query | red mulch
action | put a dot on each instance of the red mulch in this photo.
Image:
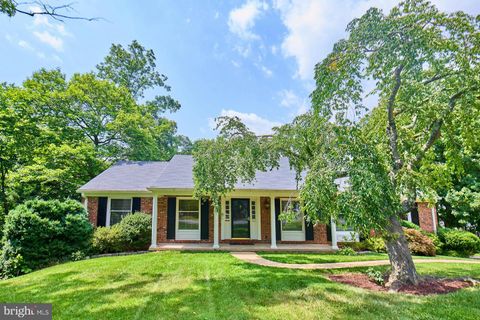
(426, 286)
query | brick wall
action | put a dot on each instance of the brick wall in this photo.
(427, 222)
(265, 218)
(92, 209)
(320, 233)
(146, 204)
(162, 219)
(210, 224)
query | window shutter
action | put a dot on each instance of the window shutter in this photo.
(414, 215)
(136, 205)
(329, 232)
(308, 230)
(171, 216)
(278, 227)
(204, 216)
(102, 212)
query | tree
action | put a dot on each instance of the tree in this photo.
(12, 7)
(233, 156)
(424, 64)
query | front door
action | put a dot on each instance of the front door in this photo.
(240, 218)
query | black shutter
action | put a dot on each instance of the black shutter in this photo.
(171, 215)
(136, 204)
(414, 215)
(308, 230)
(329, 232)
(102, 212)
(204, 215)
(278, 227)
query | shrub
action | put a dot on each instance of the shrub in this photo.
(39, 233)
(131, 234)
(462, 243)
(357, 246)
(376, 244)
(376, 276)
(436, 241)
(419, 243)
(346, 251)
(409, 225)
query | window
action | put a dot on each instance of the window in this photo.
(342, 226)
(297, 223)
(227, 210)
(119, 208)
(254, 210)
(188, 214)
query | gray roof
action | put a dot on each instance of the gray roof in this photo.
(126, 176)
(178, 174)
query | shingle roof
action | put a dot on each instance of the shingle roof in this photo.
(126, 176)
(179, 175)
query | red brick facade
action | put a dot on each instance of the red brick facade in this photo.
(265, 229)
(146, 205)
(427, 219)
(162, 219)
(92, 209)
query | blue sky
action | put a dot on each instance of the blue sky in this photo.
(249, 58)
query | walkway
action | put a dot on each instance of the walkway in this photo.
(252, 257)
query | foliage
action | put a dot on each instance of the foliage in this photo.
(346, 251)
(132, 233)
(410, 225)
(39, 233)
(234, 156)
(376, 276)
(375, 244)
(463, 243)
(419, 243)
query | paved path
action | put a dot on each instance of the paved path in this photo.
(252, 257)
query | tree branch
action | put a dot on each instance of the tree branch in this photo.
(52, 11)
(436, 127)
(392, 126)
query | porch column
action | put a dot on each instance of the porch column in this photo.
(215, 227)
(333, 227)
(273, 233)
(153, 245)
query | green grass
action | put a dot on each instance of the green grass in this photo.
(174, 285)
(331, 258)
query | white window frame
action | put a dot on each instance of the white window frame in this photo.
(187, 234)
(109, 207)
(290, 235)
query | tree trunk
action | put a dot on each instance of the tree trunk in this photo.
(403, 269)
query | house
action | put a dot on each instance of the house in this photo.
(249, 213)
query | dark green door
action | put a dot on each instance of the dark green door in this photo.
(240, 218)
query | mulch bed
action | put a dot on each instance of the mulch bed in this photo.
(426, 286)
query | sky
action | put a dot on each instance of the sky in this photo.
(251, 58)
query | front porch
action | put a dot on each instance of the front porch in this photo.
(297, 247)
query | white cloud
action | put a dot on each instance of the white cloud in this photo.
(24, 44)
(254, 122)
(53, 41)
(290, 100)
(241, 20)
(267, 72)
(236, 64)
(274, 49)
(314, 26)
(216, 15)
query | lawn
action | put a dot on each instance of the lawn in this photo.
(174, 285)
(331, 258)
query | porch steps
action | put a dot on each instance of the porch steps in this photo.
(241, 241)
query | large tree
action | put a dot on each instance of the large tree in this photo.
(424, 67)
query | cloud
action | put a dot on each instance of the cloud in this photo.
(254, 122)
(53, 41)
(290, 100)
(24, 44)
(314, 26)
(241, 20)
(266, 71)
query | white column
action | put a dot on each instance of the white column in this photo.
(273, 233)
(154, 221)
(334, 234)
(434, 221)
(215, 227)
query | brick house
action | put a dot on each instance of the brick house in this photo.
(249, 213)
